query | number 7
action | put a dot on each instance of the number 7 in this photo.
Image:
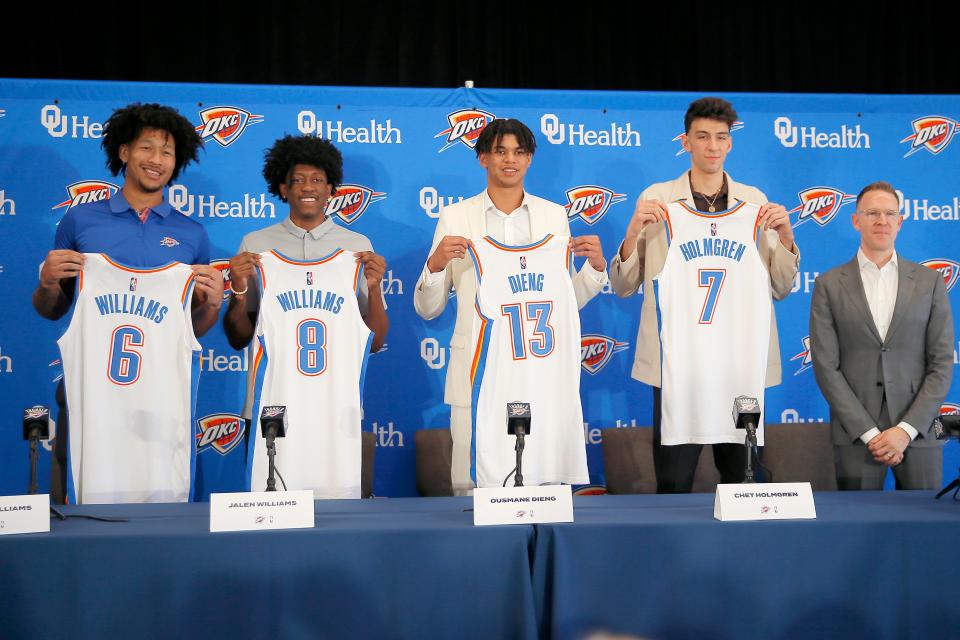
(712, 280)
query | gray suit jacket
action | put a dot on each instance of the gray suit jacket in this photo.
(855, 369)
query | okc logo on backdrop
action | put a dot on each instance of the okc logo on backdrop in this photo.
(949, 409)
(465, 127)
(596, 351)
(351, 200)
(590, 202)
(736, 126)
(932, 133)
(223, 266)
(949, 269)
(805, 357)
(225, 124)
(87, 191)
(219, 431)
(820, 204)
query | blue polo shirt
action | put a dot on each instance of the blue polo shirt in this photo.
(113, 227)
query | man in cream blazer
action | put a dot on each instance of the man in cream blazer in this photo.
(510, 215)
(707, 187)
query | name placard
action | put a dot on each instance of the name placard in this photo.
(772, 501)
(25, 514)
(261, 510)
(522, 505)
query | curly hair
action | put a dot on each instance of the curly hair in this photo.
(494, 132)
(712, 109)
(289, 151)
(126, 124)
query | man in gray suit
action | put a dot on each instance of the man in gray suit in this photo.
(881, 335)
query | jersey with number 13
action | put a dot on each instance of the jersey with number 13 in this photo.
(130, 365)
(713, 296)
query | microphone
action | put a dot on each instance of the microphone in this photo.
(746, 415)
(36, 427)
(273, 425)
(518, 424)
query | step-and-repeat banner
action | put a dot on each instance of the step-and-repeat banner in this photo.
(409, 152)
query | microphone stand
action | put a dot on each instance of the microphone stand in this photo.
(518, 478)
(271, 453)
(750, 444)
(34, 458)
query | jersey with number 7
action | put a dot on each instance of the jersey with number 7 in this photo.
(713, 298)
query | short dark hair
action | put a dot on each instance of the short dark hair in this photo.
(879, 185)
(127, 123)
(289, 151)
(496, 129)
(710, 108)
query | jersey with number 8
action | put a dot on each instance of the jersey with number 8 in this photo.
(529, 351)
(130, 364)
(313, 350)
(713, 296)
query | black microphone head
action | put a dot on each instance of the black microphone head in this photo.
(36, 422)
(518, 417)
(273, 421)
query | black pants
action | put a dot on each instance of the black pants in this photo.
(675, 465)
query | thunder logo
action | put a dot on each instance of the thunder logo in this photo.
(820, 204)
(351, 200)
(590, 202)
(949, 269)
(932, 133)
(86, 191)
(225, 124)
(805, 357)
(596, 351)
(465, 126)
(223, 266)
(219, 431)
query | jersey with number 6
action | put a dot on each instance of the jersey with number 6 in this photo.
(528, 351)
(130, 365)
(313, 352)
(713, 297)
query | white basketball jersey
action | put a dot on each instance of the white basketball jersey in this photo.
(130, 365)
(528, 351)
(713, 296)
(312, 355)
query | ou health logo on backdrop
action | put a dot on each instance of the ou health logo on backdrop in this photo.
(590, 202)
(932, 133)
(465, 127)
(225, 125)
(86, 191)
(820, 204)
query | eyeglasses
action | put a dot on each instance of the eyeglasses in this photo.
(876, 214)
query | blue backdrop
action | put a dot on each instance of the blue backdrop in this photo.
(407, 152)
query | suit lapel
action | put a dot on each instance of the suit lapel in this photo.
(478, 217)
(853, 284)
(906, 285)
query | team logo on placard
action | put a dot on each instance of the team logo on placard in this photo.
(820, 204)
(351, 200)
(465, 127)
(932, 133)
(736, 126)
(590, 202)
(225, 124)
(86, 191)
(949, 269)
(223, 266)
(596, 351)
(219, 431)
(805, 357)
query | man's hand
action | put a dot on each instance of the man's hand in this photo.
(243, 266)
(775, 216)
(449, 248)
(208, 285)
(60, 264)
(590, 248)
(645, 213)
(888, 447)
(374, 266)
